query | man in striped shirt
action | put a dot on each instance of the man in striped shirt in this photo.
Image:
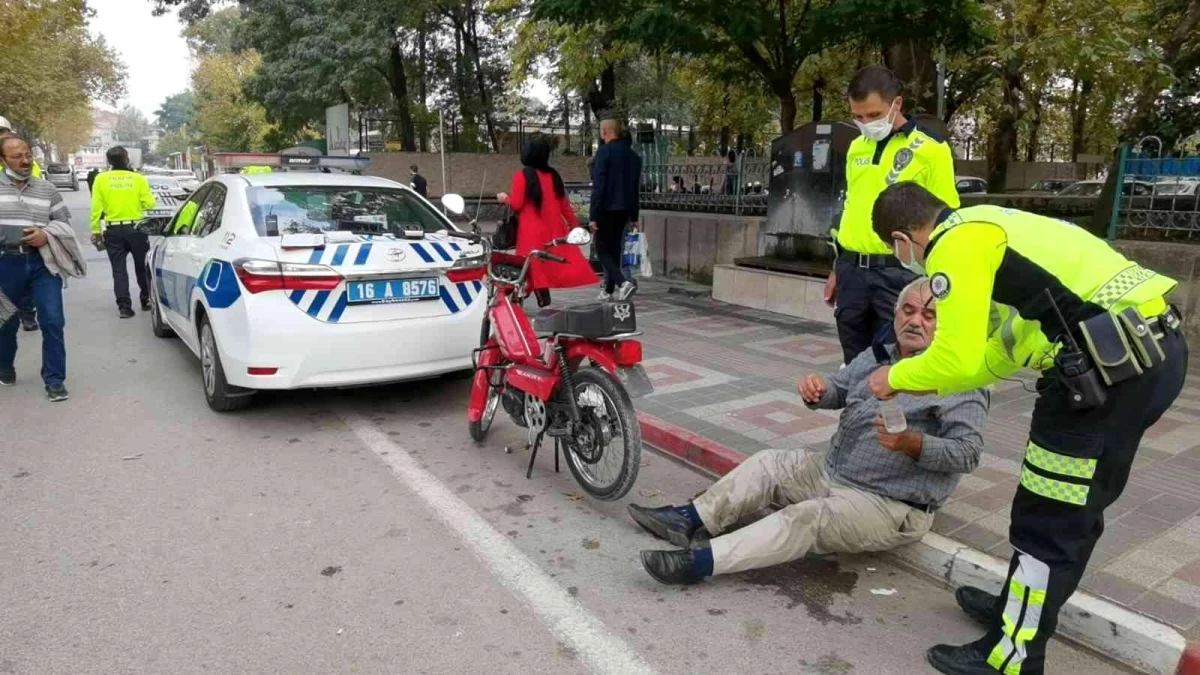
(27, 205)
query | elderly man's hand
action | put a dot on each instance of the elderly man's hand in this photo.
(878, 385)
(812, 388)
(35, 237)
(908, 442)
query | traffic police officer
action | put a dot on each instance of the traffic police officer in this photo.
(121, 196)
(1112, 360)
(866, 277)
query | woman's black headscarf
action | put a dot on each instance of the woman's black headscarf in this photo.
(535, 156)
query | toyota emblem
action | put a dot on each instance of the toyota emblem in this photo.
(395, 254)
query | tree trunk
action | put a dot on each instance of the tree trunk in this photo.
(1080, 98)
(818, 98)
(423, 83)
(566, 104)
(1002, 145)
(471, 42)
(691, 146)
(587, 128)
(602, 95)
(914, 63)
(398, 83)
(787, 108)
(1035, 126)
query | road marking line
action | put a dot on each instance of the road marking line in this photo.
(566, 618)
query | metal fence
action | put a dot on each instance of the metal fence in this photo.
(1159, 197)
(711, 187)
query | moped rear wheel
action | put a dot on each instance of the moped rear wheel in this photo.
(605, 452)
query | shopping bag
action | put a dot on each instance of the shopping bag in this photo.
(645, 268)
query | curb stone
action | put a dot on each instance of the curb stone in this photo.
(1125, 636)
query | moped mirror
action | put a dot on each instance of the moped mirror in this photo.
(454, 203)
(579, 236)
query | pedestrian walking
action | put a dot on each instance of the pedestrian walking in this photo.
(418, 182)
(6, 130)
(91, 177)
(544, 213)
(37, 251)
(120, 196)
(615, 175)
(1112, 359)
(866, 276)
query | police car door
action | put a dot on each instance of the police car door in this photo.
(166, 263)
(186, 259)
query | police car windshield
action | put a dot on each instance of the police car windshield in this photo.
(287, 209)
(163, 183)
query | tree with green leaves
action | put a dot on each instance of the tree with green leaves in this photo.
(55, 67)
(176, 111)
(132, 125)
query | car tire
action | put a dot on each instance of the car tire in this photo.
(157, 325)
(220, 395)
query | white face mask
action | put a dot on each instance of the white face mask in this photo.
(917, 268)
(880, 128)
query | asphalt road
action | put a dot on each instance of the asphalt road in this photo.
(362, 531)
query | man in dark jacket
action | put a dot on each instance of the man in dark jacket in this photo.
(418, 181)
(91, 177)
(615, 174)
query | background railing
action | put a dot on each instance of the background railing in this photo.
(1159, 199)
(709, 186)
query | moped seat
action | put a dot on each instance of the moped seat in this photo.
(591, 320)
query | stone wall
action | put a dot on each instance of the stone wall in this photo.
(466, 172)
(689, 245)
(1181, 262)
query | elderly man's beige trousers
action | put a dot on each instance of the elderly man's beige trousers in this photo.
(820, 515)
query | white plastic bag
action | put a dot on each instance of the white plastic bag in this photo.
(647, 270)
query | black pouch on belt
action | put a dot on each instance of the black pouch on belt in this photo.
(1145, 347)
(1108, 345)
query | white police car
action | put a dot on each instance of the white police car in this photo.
(297, 280)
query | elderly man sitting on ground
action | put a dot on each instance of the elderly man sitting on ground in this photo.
(870, 491)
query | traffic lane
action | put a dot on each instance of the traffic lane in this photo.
(816, 615)
(268, 541)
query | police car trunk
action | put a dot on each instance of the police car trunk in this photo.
(359, 253)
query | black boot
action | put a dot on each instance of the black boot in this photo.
(666, 523)
(977, 603)
(125, 312)
(965, 660)
(671, 567)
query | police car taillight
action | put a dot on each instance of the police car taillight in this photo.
(267, 275)
(467, 268)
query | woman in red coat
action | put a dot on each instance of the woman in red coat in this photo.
(543, 214)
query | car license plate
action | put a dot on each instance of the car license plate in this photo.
(392, 290)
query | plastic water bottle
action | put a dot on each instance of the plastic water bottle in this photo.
(893, 417)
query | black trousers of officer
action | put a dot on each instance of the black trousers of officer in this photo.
(1058, 511)
(610, 246)
(866, 300)
(119, 242)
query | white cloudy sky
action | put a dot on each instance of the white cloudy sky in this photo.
(155, 55)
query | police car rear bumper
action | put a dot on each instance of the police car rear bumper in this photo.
(349, 354)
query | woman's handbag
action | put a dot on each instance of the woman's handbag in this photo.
(505, 236)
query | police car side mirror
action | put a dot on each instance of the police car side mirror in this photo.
(454, 203)
(579, 236)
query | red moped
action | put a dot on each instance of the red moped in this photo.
(568, 374)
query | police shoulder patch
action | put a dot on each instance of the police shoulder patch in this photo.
(939, 285)
(903, 158)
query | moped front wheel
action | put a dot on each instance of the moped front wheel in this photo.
(491, 379)
(605, 452)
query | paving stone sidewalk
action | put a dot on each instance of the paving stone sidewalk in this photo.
(729, 374)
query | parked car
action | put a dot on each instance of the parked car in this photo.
(186, 179)
(1177, 186)
(305, 280)
(970, 185)
(62, 176)
(1092, 188)
(81, 173)
(1052, 185)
